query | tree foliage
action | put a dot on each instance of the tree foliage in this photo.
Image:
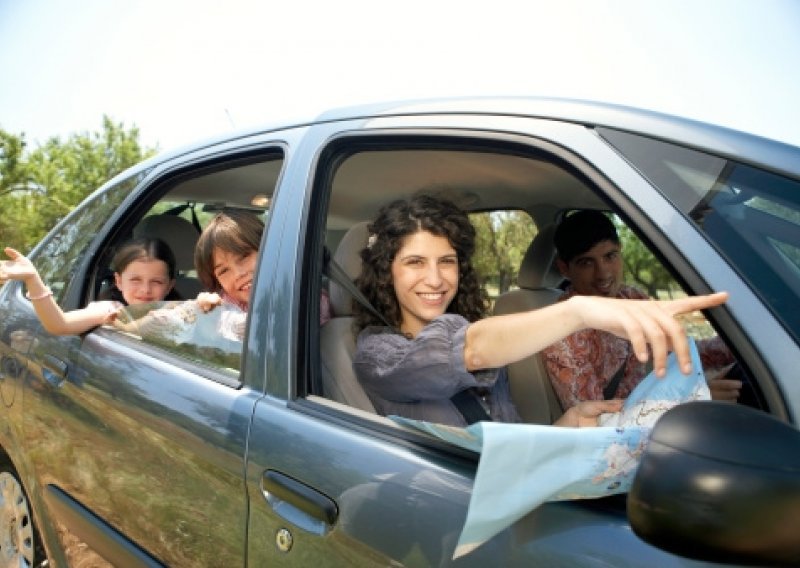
(39, 187)
(502, 238)
(642, 268)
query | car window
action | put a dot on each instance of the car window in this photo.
(644, 271)
(183, 206)
(751, 215)
(60, 254)
(211, 338)
(495, 185)
(495, 179)
(502, 238)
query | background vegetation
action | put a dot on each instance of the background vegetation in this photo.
(503, 238)
(39, 186)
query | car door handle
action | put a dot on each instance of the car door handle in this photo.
(299, 495)
(54, 370)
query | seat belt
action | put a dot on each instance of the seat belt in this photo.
(611, 388)
(466, 402)
(195, 220)
(336, 273)
(177, 210)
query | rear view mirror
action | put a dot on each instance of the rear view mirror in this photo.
(720, 482)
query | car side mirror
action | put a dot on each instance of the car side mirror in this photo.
(720, 482)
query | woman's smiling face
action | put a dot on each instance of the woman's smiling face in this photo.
(425, 277)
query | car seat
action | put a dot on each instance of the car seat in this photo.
(538, 279)
(181, 236)
(338, 337)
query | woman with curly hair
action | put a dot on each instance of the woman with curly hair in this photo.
(435, 357)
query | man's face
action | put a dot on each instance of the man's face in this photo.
(596, 272)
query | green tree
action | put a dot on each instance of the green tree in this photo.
(642, 268)
(502, 237)
(13, 170)
(39, 187)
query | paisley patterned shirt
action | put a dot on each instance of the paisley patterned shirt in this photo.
(582, 364)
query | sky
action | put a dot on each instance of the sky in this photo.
(182, 70)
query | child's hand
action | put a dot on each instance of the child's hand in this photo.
(112, 316)
(207, 301)
(18, 268)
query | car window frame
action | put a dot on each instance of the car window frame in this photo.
(651, 157)
(153, 189)
(577, 162)
(328, 157)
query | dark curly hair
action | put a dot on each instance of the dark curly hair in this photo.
(395, 222)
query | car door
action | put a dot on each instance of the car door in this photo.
(323, 489)
(39, 362)
(335, 485)
(139, 445)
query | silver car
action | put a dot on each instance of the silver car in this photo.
(179, 447)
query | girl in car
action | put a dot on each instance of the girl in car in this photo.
(225, 259)
(439, 359)
(144, 271)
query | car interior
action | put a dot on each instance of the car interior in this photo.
(479, 181)
(352, 184)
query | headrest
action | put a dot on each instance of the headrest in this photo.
(177, 232)
(538, 268)
(348, 257)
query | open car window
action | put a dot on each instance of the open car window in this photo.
(175, 210)
(211, 338)
(502, 238)
(515, 198)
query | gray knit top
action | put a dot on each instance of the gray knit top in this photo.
(415, 378)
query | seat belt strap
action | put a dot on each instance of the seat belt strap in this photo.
(611, 388)
(466, 402)
(338, 275)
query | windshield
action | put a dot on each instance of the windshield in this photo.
(751, 215)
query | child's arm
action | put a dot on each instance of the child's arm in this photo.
(53, 319)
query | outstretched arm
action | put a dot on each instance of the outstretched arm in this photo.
(53, 319)
(500, 340)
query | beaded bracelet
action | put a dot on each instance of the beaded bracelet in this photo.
(46, 294)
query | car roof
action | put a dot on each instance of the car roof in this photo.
(723, 141)
(553, 186)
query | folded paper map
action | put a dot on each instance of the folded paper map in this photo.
(524, 465)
